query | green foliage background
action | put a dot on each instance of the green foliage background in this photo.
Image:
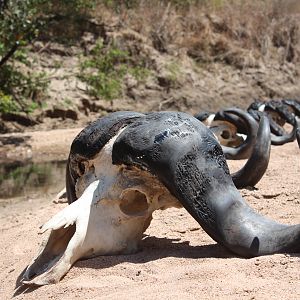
(21, 22)
(22, 89)
(19, 25)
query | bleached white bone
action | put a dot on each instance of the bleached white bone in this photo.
(114, 208)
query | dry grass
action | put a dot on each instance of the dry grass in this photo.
(240, 33)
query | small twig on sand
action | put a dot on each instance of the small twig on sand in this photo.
(169, 100)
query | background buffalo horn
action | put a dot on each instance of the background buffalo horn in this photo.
(257, 164)
(245, 149)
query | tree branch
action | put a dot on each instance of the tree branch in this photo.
(9, 54)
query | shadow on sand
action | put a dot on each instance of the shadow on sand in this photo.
(153, 248)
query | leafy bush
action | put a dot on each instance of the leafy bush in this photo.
(20, 25)
(68, 7)
(104, 70)
(7, 104)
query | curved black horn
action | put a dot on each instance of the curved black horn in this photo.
(275, 128)
(286, 138)
(298, 136)
(203, 115)
(256, 105)
(257, 164)
(254, 114)
(245, 149)
(90, 141)
(188, 160)
(294, 104)
(237, 121)
(278, 134)
(282, 109)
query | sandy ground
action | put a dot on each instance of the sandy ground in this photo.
(178, 260)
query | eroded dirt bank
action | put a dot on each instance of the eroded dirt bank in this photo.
(189, 61)
(178, 261)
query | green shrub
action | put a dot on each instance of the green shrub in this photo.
(104, 70)
(19, 90)
(19, 87)
(21, 21)
(7, 104)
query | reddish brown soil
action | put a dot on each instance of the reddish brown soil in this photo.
(178, 261)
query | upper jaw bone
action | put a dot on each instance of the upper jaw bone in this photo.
(104, 220)
(62, 247)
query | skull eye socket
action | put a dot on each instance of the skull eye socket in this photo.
(225, 134)
(134, 203)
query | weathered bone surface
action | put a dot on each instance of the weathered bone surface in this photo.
(245, 149)
(109, 217)
(153, 162)
(227, 126)
(225, 132)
